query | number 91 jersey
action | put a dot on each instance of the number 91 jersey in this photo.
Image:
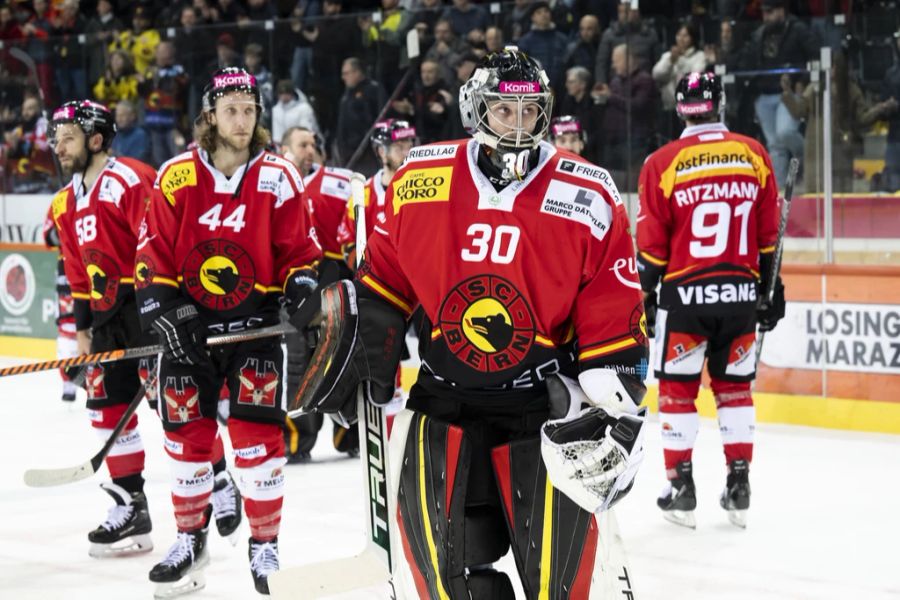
(708, 210)
(515, 284)
(227, 244)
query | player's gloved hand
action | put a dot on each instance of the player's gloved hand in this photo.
(593, 457)
(651, 304)
(182, 335)
(76, 374)
(299, 286)
(769, 313)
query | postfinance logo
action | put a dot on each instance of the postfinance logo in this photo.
(422, 185)
(176, 177)
(706, 161)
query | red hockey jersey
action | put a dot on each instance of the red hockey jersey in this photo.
(98, 231)
(227, 244)
(374, 202)
(708, 208)
(512, 282)
(328, 190)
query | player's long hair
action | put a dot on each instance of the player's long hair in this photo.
(208, 137)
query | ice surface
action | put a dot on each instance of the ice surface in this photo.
(824, 520)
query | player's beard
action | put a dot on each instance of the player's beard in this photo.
(78, 165)
(235, 144)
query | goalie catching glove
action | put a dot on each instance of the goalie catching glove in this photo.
(593, 454)
(360, 343)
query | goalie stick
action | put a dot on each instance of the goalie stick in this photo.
(62, 476)
(374, 565)
(128, 353)
(769, 293)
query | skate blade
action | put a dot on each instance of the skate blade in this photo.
(193, 580)
(136, 544)
(685, 518)
(738, 518)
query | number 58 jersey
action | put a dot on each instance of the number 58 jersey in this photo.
(227, 244)
(515, 284)
(708, 210)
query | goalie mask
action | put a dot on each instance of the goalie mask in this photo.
(506, 104)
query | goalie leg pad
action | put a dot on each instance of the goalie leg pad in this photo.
(554, 540)
(360, 342)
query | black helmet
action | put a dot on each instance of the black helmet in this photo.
(90, 116)
(566, 124)
(389, 131)
(509, 75)
(228, 80)
(699, 95)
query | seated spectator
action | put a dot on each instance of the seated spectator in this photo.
(131, 139)
(493, 40)
(582, 52)
(141, 40)
(431, 102)
(29, 162)
(781, 41)
(517, 21)
(387, 40)
(627, 128)
(577, 102)
(642, 40)
(425, 16)
(291, 110)
(544, 43)
(120, 81)
(463, 69)
(683, 58)
(68, 25)
(447, 49)
(255, 65)
(465, 16)
(101, 30)
(360, 105)
(226, 55)
(851, 116)
(37, 31)
(890, 97)
(164, 91)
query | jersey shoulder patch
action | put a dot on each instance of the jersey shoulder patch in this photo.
(335, 186)
(580, 204)
(270, 159)
(60, 202)
(125, 172)
(586, 171)
(338, 172)
(178, 173)
(442, 151)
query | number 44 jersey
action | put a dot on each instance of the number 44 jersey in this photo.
(515, 284)
(227, 244)
(709, 208)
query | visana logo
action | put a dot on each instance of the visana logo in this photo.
(718, 293)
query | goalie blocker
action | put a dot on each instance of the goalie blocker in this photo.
(360, 342)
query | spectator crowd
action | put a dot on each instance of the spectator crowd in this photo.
(332, 66)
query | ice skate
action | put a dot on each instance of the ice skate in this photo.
(736, 496)
(263, 562)
(181, 571)
(126, 528)
(226, 503)
(679, 499)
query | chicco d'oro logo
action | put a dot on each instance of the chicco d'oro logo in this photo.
(487, 323)
(104, 276)
(218, 274)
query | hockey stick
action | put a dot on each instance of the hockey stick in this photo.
(373, 566)
(128, 353)
(29, 63)
(53, 477)
(769, 294)
(412, 51)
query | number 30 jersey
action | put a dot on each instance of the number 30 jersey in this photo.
(515, 284)
(227, 244)
(709, 208)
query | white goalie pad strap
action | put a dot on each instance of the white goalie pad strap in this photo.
(604, 388)
(593, 457)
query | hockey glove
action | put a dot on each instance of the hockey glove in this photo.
(299, 286)
(769, 313)
(593, 457)
(182, 335)
(651, 304)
